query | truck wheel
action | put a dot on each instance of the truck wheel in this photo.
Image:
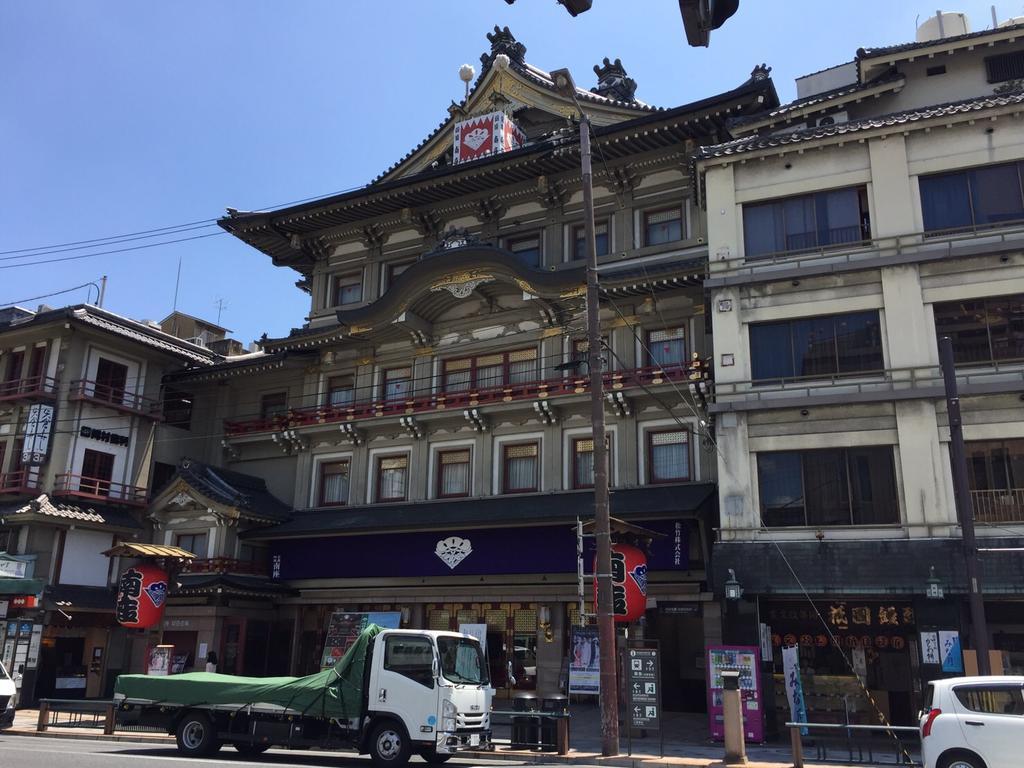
(196, 735)
(432, 757)
(251, 750)
(389, 746)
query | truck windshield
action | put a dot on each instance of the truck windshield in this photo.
(3, 672)
(462, 661)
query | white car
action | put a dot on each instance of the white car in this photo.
(973, 722)
(8, 694)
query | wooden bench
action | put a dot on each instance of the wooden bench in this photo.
(75, 710)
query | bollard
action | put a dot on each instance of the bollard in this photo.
(732, 711)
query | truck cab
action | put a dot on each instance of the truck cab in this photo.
(435, 686)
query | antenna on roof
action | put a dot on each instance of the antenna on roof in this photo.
(221, 306)
(466, 75)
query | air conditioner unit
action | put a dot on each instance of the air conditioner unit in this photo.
(833, 119)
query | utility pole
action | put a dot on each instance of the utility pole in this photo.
(602, 521)
(964, 507)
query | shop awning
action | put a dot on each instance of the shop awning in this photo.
(21, 586)
(131, 549)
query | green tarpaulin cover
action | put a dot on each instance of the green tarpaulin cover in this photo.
(334, 693)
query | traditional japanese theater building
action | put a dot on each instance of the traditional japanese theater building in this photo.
(428, 426)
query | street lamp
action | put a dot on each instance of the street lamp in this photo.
(733, 589)
(602, 522)
(934, 590)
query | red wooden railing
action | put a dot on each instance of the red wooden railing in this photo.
(98, 489)
(31, 387)
(469, 398)
(18, 482)
(115, 397)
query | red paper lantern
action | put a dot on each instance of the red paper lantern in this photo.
(141, 596)
(629, 583)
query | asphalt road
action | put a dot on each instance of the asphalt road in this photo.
(39, 752)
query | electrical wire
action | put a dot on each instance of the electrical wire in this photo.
(48, 295)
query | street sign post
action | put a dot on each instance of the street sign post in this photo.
(643, 691)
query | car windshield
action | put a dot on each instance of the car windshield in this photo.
(3, 672)
(462, 661)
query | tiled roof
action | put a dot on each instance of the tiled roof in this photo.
(214, 583)
(90, 513)
(246, 493)
(255, 361)
(768, 141)
(886, 50)
(125, 327)
(844, 93)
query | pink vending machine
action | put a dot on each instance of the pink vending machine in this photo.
(746, 660)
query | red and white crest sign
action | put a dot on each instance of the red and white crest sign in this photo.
(485, 135)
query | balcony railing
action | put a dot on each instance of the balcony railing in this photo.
(18, 482)
(225, 565)
(999, 506)
(465, 398)
(32, 388)
(115, 397)
(98, 489)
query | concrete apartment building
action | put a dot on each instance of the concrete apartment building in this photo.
(847, 231)
(80, 409)
(429, 423)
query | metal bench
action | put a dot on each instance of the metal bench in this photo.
(79, 714)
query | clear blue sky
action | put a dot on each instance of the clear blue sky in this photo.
(120, 116)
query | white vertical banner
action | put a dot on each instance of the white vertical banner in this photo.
(794, 687)
(37, 434)
(767, 651)
(32, 658)
(859, 660)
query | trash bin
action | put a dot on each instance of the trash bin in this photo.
(556, 704)
(525, 733)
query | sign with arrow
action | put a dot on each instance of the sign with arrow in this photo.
(643, 688)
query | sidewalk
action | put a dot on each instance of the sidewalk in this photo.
(585, 739)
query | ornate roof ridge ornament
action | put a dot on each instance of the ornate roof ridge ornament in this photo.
(503, 41)
(613, 82)
(760, 72)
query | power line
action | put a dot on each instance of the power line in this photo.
(104, 244)
(105, 253)
(48, 295)
(109, 237)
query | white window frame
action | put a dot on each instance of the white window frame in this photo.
(660, 425)
(329, 458)
(433, 464)
(371, 473)
(498, 460)
(571, 435)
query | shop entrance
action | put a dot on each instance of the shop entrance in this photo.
(679, 629)
(62, 673)
(511, 638)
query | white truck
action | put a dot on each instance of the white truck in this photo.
(394, 693)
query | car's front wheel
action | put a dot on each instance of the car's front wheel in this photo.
(961, 759)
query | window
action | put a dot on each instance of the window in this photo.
(35, 365)
(583, 462)
(841, 486)
(816, 346)
(192, 542)
(411, 657)
(392, 477)
(111, 380)
(15, 362)
(579, 240)
(995, 470)
(666, 347)
(983, 330)
(521, 468)
(992, 699)
(249, 553)
(1005, 66)
(397, 383)
(177, 408)
(334, 477)
(979, 197)
(273, 405)
(581, 355)
(664, 226)
(162, 474)
(348, 289)
(8, 540)
(809, 221)
(453, 469)
(668, 456)
(392, 271)
(340, 392)
(494, 370)
(526, 249)
(97, 472)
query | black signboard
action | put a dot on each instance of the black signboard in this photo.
(643, 688)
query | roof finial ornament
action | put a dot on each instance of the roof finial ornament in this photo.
(466, 75)
(760, 72)
(502, 41)
(612, 81)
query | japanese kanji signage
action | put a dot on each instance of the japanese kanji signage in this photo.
(141, 596)
(643, 688)
(629, 582)
(37, 434)
(883, 626)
